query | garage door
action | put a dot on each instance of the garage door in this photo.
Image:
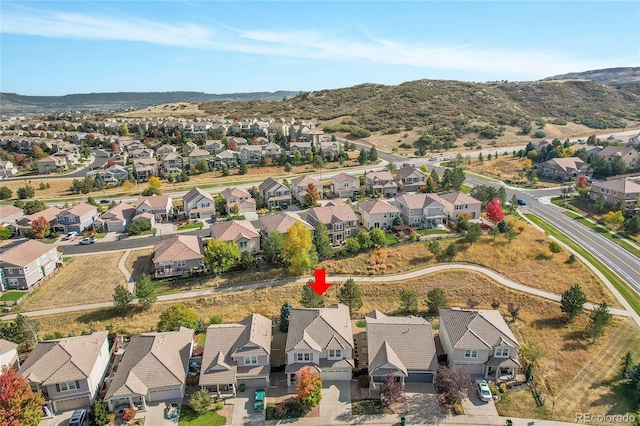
(253, 383)
(72, 404)
(165, 394)
(419, 378)
(336, 374)
(472, 369)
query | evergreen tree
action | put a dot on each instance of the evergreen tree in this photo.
(373, 154)
(285, 313)
(572, 302)
(350, 295)
(145, 291)
(311, 299)
(322, 242)
(121, 298)
(98, 414)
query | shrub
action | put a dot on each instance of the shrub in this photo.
(129, 414)
(493, 388)
(503, 387)
(457, 409)
(218, 405)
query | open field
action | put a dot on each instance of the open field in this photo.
(87, 279)
(138, 262)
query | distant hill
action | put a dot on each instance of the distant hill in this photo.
(611, 76)
(12, 103)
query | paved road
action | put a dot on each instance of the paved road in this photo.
(335, 278)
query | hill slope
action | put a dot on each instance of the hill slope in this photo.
(610, 76)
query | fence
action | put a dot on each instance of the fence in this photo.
(537, 394)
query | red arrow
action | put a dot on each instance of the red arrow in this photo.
(320, 285)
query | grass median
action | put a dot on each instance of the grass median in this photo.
(626, 292)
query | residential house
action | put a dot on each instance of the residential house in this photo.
(272, 150)
(330, 150)
(280, 222)
(114, 174)
(626, 190)
(153, 368)
(7, 169)
(251, 154)
(76, 218)
(345, 186)
(382, 183)
(141, 153)
(563, 168)
(51, 164)
(300, 185)
(160, 206)
(199, 204)
(27, 263)
(629, 155)
(480, 341)
(144, 168)
(164, 150)
(377, 214)
(22, 227)
(119, 158)
(421, 210)
(322, 339)
(634, 141)
(117, 218)
(274, 193)
(173, 163)
(242, 232)
(459, 203)
(340, 220)
(238, 201)
(10, 214)
(178, 255)
(68, 371)
(301, 147)
(226, 158)
(214, 146)
(401, 346)
(189, 147)
(410, 178)
(260, 127)
(198, 155)
(9, 355)
(236, 354)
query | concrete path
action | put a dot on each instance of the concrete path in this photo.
(336, 278)
(125, 271)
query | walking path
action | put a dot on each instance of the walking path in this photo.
(125, 271)
(335, 278)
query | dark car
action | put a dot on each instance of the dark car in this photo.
(78, 418)
(104, 201)
(521, 202)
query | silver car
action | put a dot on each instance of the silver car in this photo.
(484, 393)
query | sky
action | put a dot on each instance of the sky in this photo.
(57, 48)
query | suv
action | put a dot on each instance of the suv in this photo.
(78, 418)
(484, 393)
(88, 240)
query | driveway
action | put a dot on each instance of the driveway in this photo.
(336, 399)
(422, 404)
(155, 414)
(243, 412)
(473, 406)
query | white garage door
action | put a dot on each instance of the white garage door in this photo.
(472, 369)
(72, 404)
(344, 374)
(165, 394)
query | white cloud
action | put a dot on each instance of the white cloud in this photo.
(302, 44)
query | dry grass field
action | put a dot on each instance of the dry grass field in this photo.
(85, 280)
(138, 262)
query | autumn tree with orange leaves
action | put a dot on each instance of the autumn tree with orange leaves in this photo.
(19, 405)
(309, 387)
(40, 227)
(494, 211)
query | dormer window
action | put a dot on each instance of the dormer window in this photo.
(334, 354)
(502, 353)
(251, 360)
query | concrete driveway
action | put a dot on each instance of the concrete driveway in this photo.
(422, 404)
(155, 414)
(473, 406)
(336, 399)
(243, 412)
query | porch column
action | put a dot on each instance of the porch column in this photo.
(144, 403)
(131, 402)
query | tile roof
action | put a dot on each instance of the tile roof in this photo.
(56, 361)
(178, 247)
(333, 213)
(317, 328)
(281, 222)
(469, 328)
(405, 342)
(377, 206)
(25, 253)
(233, 230)
(152, 361)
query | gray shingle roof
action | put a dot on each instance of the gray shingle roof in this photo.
(317, 328)
(469, 328)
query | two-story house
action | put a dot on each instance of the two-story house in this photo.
(178, 255)
(199, 204)
(300, 185)
(377, 214)
(189, 147)
(164, 150)
(9, 355)
(144, 168)
(459, 203)
(272, 150)
(563, 168)
(173, 163)
(153, 368)
(275, 193)
(321, 338)
(115, 174)
(341, 221)
(7, 169)
(410, 178)
(51, 164)
(381, 183)
(160, 206)
(280, 222)
(626, 190)
(421, 210)
(22, 227)
(629, 155)
(25, 264)
(226, 158)
(68, 371)
(198, 155)
(480, 341)
(77, 218)
(9, 214)
(117, 218)
(242, 232)
(251, 154)
(214, 146)
(238, 201)
(236, 354)
(345, 186)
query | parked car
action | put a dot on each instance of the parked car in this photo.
(258, 405)
(521, 202)
(88, 240)
(484, 393)
(433, 159)
(78, 418)
(104, 201)
(70, 236)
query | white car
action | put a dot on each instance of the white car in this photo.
(70, 236)
(484, 393)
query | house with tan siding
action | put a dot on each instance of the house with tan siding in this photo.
(25, 264)
(242, 232)
(178, 255)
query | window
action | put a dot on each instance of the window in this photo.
(338, 226)
(181, 263)
(502, 352)
(242, 244)
(334, 354)
(44, 258)
(250, 360)
(471, 353)
(303, 356)
(68, 386)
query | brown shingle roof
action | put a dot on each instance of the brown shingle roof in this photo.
(178, 247)
(316, 328)
(459, 198)
(235, 192)
(25, 253)
(195, 193)
(342, 177)
(377, 206)
(407, 170)
(624, 185)
(333, 213)
(470, 328)
(418, 201)
(153, 201)
(281, 222)
(79, 209)
(49, 214)
(233, 230)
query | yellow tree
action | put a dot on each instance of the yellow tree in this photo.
(526, 163)
(153, 186)
(298, 250)
(128, 186)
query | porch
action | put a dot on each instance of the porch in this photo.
(501, 369)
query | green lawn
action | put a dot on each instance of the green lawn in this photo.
(192, 225)
(389, 239)
(466, 189)
(188, 417)
(431, 231)
(631, 296)
(12, 296)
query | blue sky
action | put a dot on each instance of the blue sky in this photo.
(56, 48)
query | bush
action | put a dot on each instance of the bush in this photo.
(218, 405)
(363, 381)
(457, 409)
(493, 388)
(129, 414)
(503, 387)
(285, 410)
